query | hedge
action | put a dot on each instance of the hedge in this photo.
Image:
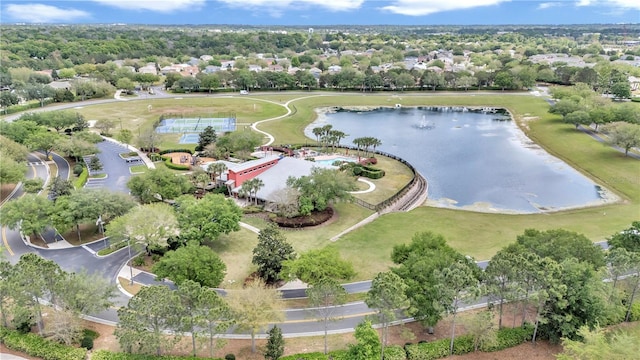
(82, 178)
(108, 355)
(394, 352)
(36, 346)
(510, 337)
(171, 165)
(175, 150)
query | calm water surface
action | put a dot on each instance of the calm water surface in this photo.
(470, 159)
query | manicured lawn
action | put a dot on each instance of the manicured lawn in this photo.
(235, 250)
(138, 169)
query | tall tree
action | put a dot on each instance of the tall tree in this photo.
(37, 280)
(560, 244)
(152, 225)
(254, 307)
(271, 251)
(207, 218)
(194, 263)
(322, 187)
(501, 275)
(142, 323)
(59, 187)
(206, 137)
(45, 141)
(216, 169)
(325, 297)
(582, 301)
(159, 184)
(624, 135)
(628, 239)
(29, 213)
(417, 264)
(387, 295)
(455, 285)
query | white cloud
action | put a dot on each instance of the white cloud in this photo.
(426, 7)
(619, 4)
(547, 5)
(584, 3)
(626, 4)
(40, 13)
(333, 5)
(163, 6)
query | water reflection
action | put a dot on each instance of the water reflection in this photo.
(472, 158)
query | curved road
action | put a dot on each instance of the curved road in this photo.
(299, 322)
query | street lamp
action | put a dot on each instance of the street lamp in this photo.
(130, 264)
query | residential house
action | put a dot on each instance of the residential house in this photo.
(334, 69)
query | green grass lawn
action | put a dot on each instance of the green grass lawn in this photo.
(476, 234)
(136, 116)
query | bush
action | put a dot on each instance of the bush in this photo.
(510, 337)
(463, 345)
(77, 169)
(171, 165)
(635, 312)
(86, 343)
(394, 352)
(428, 351)
(175, 150)
(82, 179)
(138, 260)
(36, 346)
(229, 357)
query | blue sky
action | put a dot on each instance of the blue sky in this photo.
(322, 12)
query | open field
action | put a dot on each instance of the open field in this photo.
(138, 117)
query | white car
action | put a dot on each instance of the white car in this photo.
(244, 92)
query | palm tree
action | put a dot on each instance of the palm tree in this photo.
(358, 142)
(256, 185)
(317, 131)
(216, 169)
(336, 136)
(375, 142)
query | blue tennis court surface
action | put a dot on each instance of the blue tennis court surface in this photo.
(189, 138)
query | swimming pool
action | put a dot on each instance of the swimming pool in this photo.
(329, 162)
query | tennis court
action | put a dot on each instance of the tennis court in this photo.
(195, 125)
(189, 138)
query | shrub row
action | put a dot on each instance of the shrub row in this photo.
(510, 337)
(112, 248)
(367, 171)
(108, 355)
(18, 108)
(171, 165)
(394, 352)
(82, 178)
(35, 345)
(505, 338)
(175, 150)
